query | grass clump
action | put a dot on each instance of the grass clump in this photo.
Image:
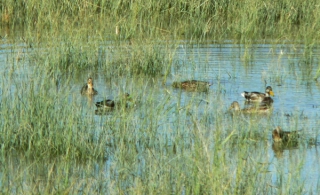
(151, 60)
(67, 59)
(38, 124)
(71, 58)
(158, 147)
(192, 20)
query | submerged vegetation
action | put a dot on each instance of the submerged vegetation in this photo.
(169, 141)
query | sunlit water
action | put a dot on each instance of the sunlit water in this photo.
(231, 69)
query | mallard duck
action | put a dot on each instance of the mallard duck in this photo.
(258, 109)
(105, 104)
(88, 89)
(192, 85)
(284, 136)
(258, 96)
(110, 104)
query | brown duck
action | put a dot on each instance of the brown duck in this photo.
(258, 109)
(88, 89)
(284, 136)
(192, 85)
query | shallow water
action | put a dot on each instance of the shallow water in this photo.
(296, 105)
(231, 69)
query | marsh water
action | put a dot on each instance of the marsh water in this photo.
(231, 69)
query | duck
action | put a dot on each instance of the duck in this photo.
(105, 104)
(258, 109)
(278, 135)
(88, 89)
(258, 96)
(192, 85)
(111, 104)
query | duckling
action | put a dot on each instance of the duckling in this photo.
(258, 96)
(88, 89)
(259, 109)
(192, 85)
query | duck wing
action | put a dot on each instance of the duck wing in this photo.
(253, 95)
(84, 89)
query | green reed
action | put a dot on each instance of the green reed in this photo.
(38, 124)
(148, 60)
(192, 20)
(159, 147)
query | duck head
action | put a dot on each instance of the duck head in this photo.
(269, 91)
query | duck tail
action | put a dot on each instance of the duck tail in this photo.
(244, 94)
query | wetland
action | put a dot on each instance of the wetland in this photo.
(167, 140)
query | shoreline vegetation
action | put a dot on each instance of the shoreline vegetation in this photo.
(187, 20)
(161, 146)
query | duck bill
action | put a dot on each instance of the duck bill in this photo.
(271, 93)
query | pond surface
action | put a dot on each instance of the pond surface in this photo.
(232, 69)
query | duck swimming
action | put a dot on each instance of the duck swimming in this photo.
(192, 85)
(259, 109)
(258, 96)
(88, 89)
(111, 104)
(284, 136)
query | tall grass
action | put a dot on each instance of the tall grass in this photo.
(194, 20)
(162, 146)
(38, 124)
(60, 146)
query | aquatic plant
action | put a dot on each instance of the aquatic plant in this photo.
(163, 146)
(178, 143)
(148, 60)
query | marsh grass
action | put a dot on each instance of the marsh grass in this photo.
(37, 124)
(170, 145)
(167, 146)
(76, 58)
(146, 60)
(191, 20)
(158, 148)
